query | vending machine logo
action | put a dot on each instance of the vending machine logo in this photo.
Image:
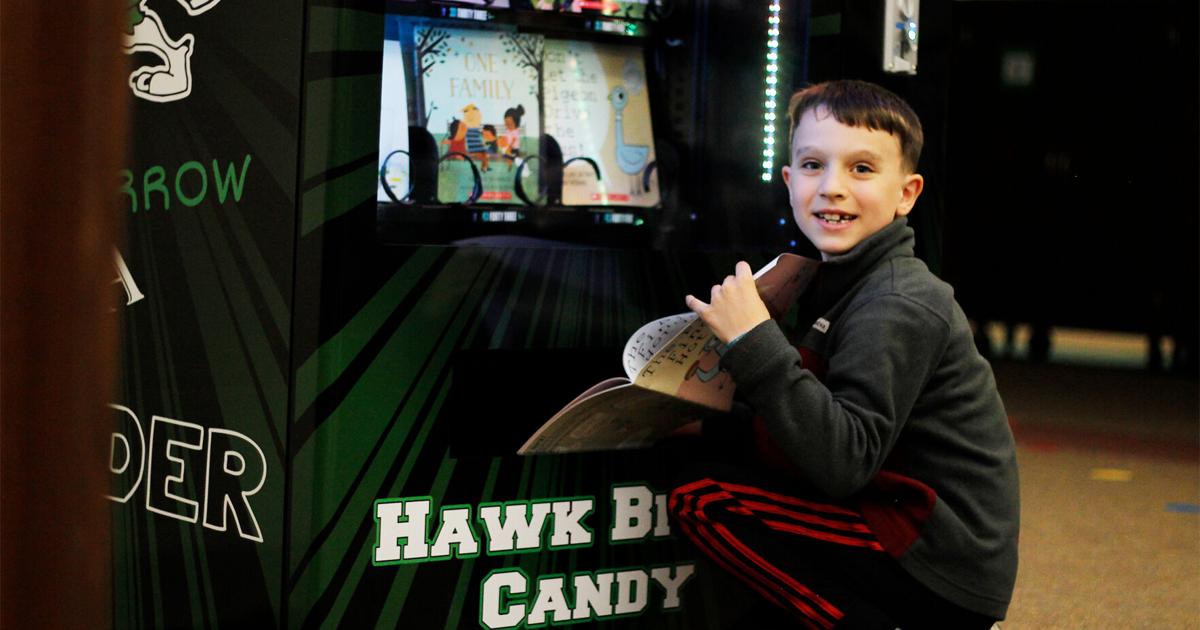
(510, 597)
(171, 78)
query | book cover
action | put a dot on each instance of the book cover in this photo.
(481, 93)
(597, 106)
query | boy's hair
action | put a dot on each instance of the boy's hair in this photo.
(862, 104)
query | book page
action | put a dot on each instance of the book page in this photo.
(650, 338)
(606, 384)
(688, 365)
(681, 359)
(621, 417)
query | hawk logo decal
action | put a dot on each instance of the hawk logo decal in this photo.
(171, 78)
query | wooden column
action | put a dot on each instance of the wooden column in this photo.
(63, 111)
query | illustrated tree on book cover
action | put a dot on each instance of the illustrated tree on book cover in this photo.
(530, 51)
(431, 46)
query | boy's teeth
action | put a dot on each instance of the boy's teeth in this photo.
(835, 218)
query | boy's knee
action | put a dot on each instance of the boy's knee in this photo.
(681, 497)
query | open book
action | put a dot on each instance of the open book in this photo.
(673, 377)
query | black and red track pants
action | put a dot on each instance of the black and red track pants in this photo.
(817, 560)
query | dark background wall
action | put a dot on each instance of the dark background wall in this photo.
(1075, 196)
(1069, 199)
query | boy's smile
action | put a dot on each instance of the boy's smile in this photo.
(846, 183)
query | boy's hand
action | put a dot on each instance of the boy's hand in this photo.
(736, 307)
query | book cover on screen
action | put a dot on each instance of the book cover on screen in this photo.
(481, 95)
(477, 93)
(597, 105)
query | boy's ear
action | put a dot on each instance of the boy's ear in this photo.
(913, 185)
(786, 172)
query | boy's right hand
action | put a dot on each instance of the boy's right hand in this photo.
(736, 307)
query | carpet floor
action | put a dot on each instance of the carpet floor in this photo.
(1110, 489)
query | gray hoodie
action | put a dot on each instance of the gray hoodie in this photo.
(885, 402)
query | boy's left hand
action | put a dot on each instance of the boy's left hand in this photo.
(736, 307)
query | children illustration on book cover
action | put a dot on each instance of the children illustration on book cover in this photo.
(476, 92)
(510, 140)
(480, 79)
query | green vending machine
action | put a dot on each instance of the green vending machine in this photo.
(373, 248)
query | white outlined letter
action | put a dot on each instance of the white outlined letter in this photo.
(567, 528)
(125, 279)
(672, 580)
(413, 529)
(632, 592)
(494, 611)
(455, 535)
(520, 528)
(158, 483)
(129, 464)
(632, 515)
(241, 466)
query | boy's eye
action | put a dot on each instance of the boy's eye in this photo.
(863, 168)
(810, 164)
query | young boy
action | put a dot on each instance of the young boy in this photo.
(885, 493)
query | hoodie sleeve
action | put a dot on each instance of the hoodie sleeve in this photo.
(838, 433)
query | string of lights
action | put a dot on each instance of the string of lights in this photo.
(771, 92)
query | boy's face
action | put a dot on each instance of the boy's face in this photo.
(846, 183)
